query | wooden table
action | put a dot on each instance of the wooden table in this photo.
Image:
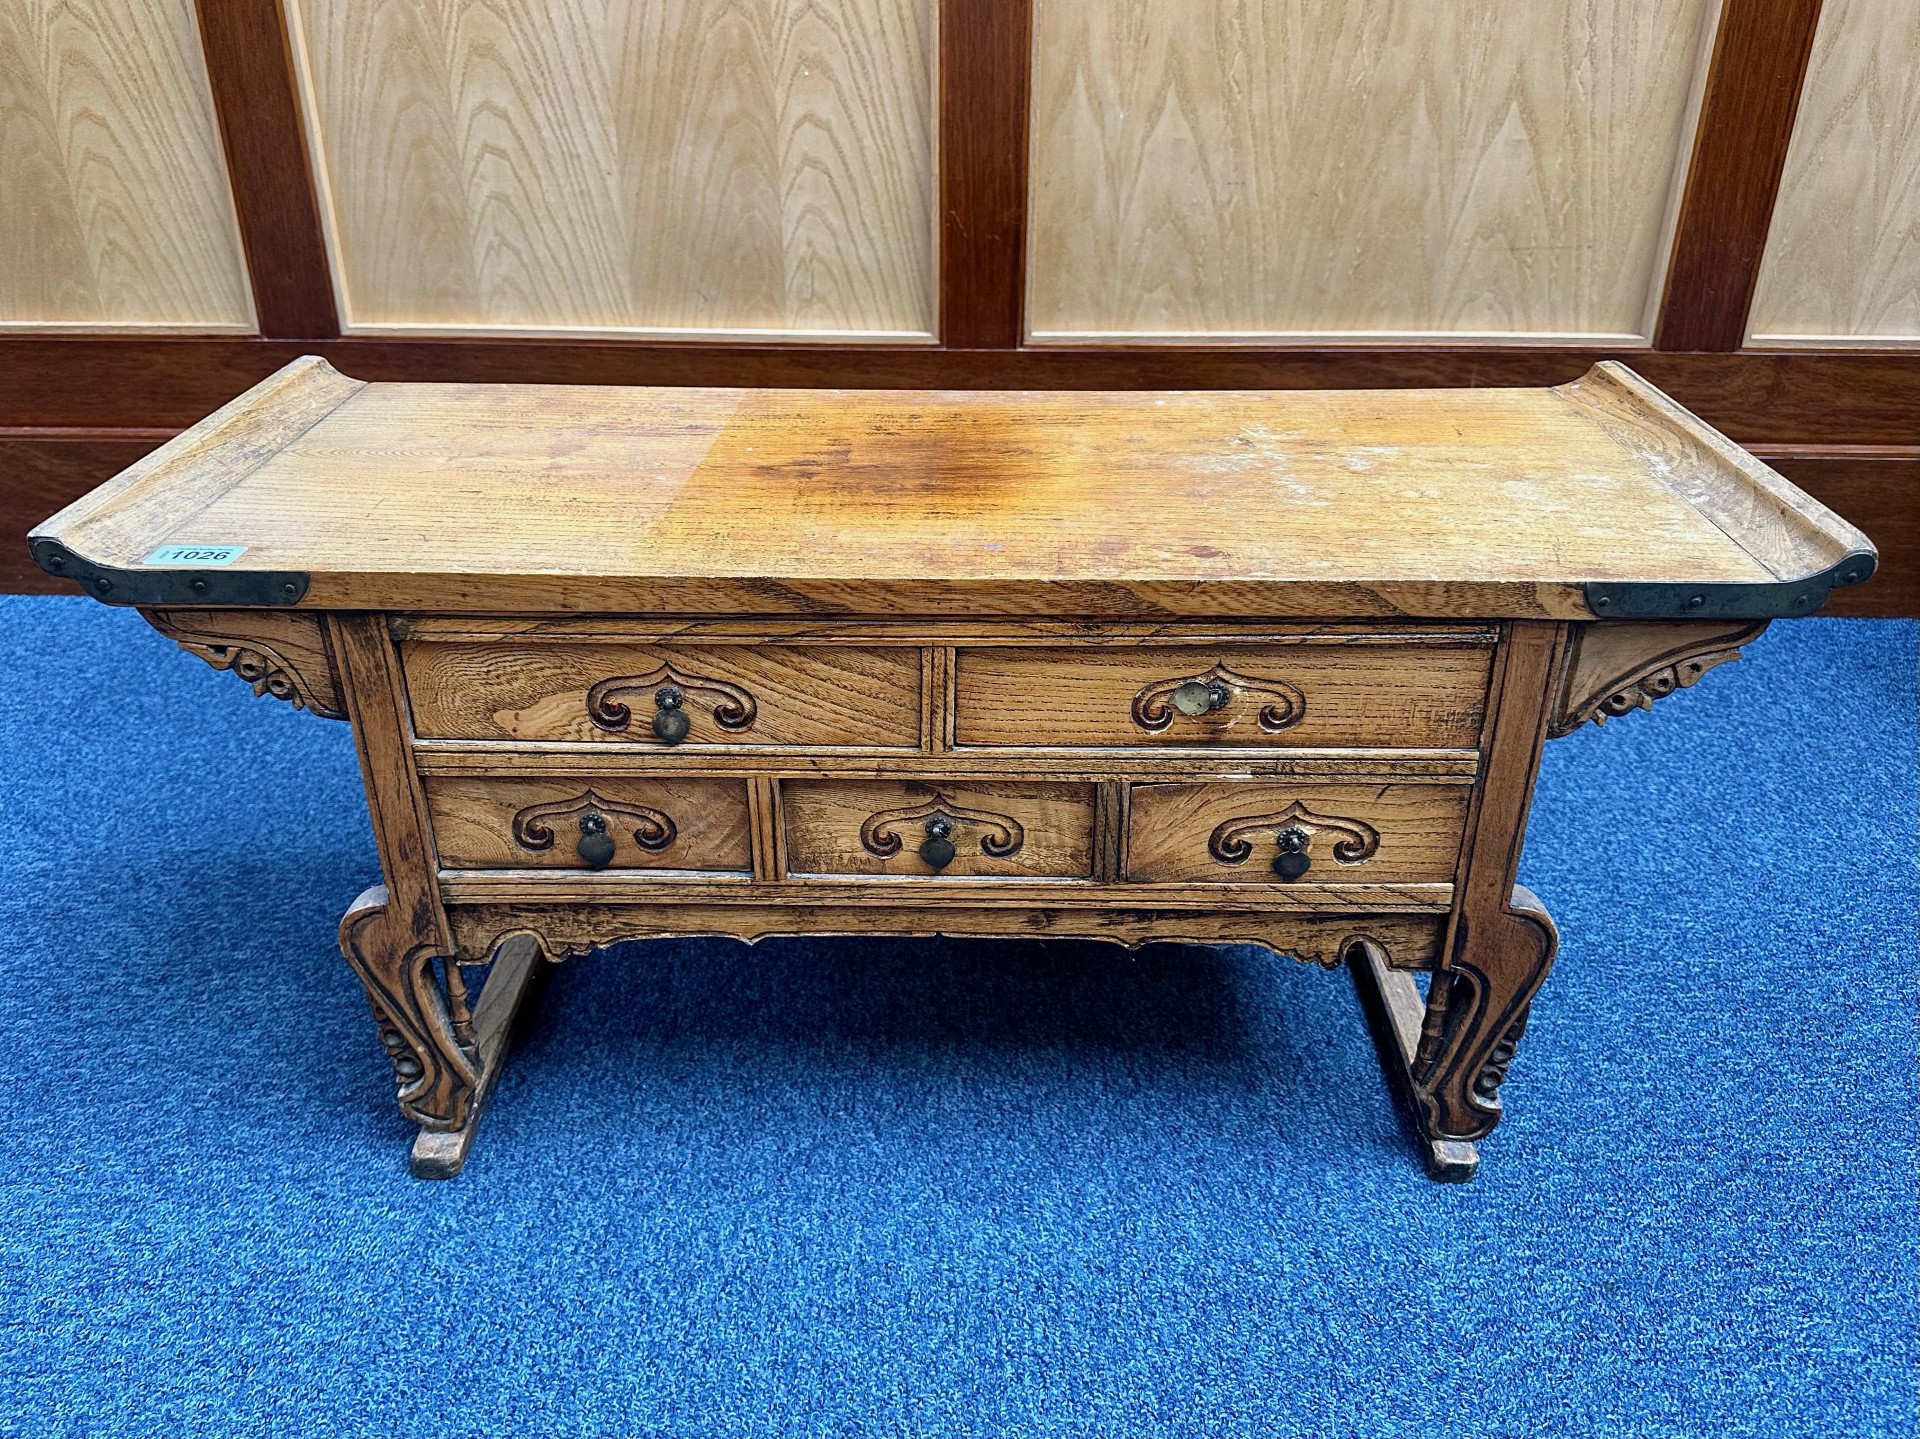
(1250, 667)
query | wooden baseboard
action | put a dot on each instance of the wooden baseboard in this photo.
(1878, 489)
(41, 470)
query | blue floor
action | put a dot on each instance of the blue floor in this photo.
(934, 1188)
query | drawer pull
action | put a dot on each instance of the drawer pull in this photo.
(1195, 698)
(653, 830)
(1196, 695)
(1293, 859)
(596, 845)
(670, 721)
(734, 709)
(937, 849)
(1294, 828)
(1002, 836)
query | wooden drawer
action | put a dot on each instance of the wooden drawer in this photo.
(733, 694)
(681, 823)
(1347, 695)
(1359, 834)
(877, 827)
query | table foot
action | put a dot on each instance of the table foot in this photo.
(519, 968)
(1394, 1012)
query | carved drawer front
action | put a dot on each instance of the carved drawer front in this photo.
(665, 695)
(1362, 694)
(921, 829)
(1244, 833)
(607, 822)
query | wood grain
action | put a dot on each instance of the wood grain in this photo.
(474, 821)
(116, 211)
(824, 820)
(1441, 503)
(1417, 826)
(1364, 694)
(1786, 530)
(729, 165)
(801, 696)
(1842, 260)
(1220, 169)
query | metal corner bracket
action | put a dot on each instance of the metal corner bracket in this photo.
(252, 588)
(1635, 600)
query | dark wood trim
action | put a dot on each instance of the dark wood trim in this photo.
(43, 469)
(250, 67)
(1819, 397)
(984, 82)
(1877, 487)
(1752, 93)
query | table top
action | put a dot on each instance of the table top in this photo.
(1597, 498)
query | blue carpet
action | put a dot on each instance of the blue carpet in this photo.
(933, 1188)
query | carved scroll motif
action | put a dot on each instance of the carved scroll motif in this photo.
(435, 1067)
(880, 836)
(734, 708)
(1614, 667)
(282, 655)
(1230, 844)
(653, 830)
(1286, 706)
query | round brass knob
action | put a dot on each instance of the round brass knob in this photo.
(1293, 860)
(938, 851)
(596, 845)
(670, 722)
(1198, 697)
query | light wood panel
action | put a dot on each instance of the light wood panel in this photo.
(1843, 256)
(114, 206)
(663, 165)
(1252, 169)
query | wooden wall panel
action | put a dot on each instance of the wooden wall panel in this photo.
(702, 166)
(114, 206)
(42, 470)
(1878, 488)
(1224, 169)
(1843, 256)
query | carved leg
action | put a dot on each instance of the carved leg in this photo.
(1476, 1014)
(1447, 1058)
(445, 1066)
(436, 1072)
(1392, 1004)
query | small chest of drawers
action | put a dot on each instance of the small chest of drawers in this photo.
(831, 662)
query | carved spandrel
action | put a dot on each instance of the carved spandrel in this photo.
(279, 653)
(1614, 667)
